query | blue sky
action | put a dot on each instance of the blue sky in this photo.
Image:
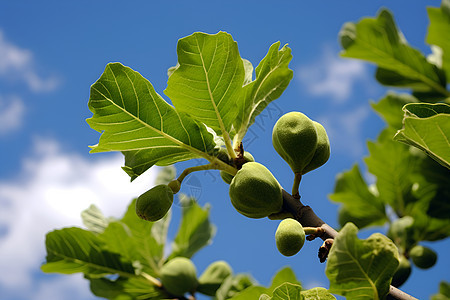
(50, 54)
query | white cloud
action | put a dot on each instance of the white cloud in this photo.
(345, 130)
(12, 112)
(51, 189)
(332, 76)
(18, 64)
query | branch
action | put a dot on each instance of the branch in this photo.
(308, 218)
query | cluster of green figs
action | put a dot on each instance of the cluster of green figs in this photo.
(254, 191)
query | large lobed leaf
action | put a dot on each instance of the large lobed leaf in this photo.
(361, 269)
(272, 78)
(379, 41)
(439, 24)
(134, 119)
(210, 73)
(427, 127)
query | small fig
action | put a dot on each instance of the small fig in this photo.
(294, 137)
(402, 273)
(179, 276)
(213, 276)
(423, 257)
(289, 237)
(154, 203)
(255, 192)
(322, 153)
(226, 177)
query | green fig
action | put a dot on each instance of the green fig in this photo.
(289, 237)
(423, 257)
(154, 203)
(255, 192)
(179, 276)
(226, 177)
(213, 277)
(264, 297)
(402, 273)
(294, 137)
(322, 153)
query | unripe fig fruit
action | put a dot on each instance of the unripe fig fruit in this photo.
(402, 273)
(248, 157)
(179, 276)
(255, 192)
(289, 237)
(154, 203)
(213, 276)
(175, 186)
(294, 137)
(322, 153)
(423, 257)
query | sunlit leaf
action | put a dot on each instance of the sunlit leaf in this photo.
(272, 77)
(209, 74)
(361, 269)
(317, 293)
(73, 250)
(427, 127)
(287, 291)
(379, 41)
(134, 119)
(439, 24)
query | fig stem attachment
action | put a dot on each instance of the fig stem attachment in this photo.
(152, 279)
(230, 150)
(216, 164)
(295, 187)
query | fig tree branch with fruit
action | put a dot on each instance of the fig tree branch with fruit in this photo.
(216, 96)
